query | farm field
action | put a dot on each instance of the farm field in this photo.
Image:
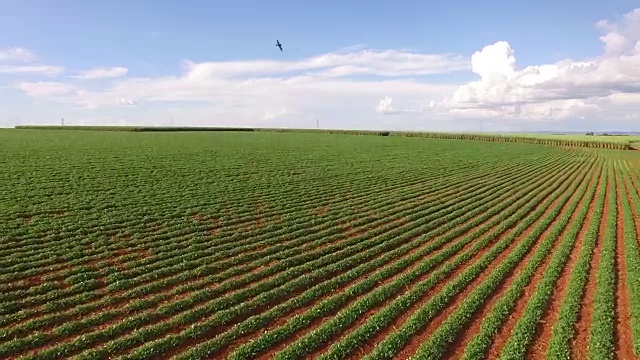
(243, 245)
(576, 137)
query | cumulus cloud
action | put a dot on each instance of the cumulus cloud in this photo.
(102, 73)
(622, 36)
(17, 54)
(385, 107)
(569, 88)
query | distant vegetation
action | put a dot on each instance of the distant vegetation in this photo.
(604, 141)
(131, 128)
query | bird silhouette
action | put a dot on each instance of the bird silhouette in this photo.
(278, 44)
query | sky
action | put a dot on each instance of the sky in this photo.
(455, 65)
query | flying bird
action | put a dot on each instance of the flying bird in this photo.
(278, 44)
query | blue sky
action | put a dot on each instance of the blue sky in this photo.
(420, 52)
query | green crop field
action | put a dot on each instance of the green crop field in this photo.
(258, 244)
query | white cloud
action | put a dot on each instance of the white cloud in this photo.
(385, 107)
(31, 69)
(622, 36)
(337, 64)
(252, 87)
(102, 73)
(17, 54)
(45, 89)
(270, 115)
(566, 89)
(350, 85)
(10, 56)
(127, 102)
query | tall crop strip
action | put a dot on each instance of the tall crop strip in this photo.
(632, 250)
(194, 245)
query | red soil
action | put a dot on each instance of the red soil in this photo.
(321, 210)
(503, 335)
(34, 280)
(199, 217)
(119, 301)
(368, 346)
(315, 323)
